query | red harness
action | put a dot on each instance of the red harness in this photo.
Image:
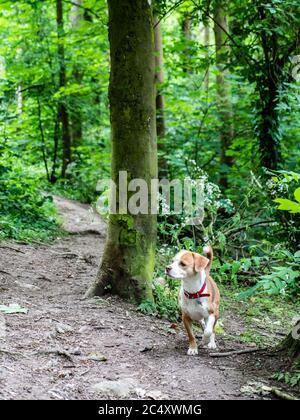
(197, 294)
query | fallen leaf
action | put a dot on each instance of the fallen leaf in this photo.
(13, 308)
(97, 357)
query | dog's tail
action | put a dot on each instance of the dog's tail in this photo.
(209, 254)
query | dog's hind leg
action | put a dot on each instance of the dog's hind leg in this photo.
(193, 348)
(209, 335)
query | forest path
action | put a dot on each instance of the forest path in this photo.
(66, 347)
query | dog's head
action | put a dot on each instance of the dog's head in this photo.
(186, 264)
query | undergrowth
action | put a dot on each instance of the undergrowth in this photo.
(26, 214)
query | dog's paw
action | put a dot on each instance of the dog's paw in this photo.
(192, 351)
(212, 345)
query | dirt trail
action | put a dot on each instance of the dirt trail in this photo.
(65, 347)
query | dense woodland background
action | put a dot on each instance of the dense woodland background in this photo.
(227, 110)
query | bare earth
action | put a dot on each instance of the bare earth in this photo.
(66, 347)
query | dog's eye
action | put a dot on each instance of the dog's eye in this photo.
(182, 264)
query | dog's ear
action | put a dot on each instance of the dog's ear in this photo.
(200, 262)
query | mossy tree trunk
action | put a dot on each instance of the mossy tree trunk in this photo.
(127, 264)
(224, 93)
(291, 346)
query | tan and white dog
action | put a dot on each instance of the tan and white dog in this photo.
(199, 296)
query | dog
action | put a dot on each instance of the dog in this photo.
(199, 296)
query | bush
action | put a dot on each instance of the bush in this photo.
(25, 213)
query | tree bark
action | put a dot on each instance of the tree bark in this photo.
(224, 95)
(159, 77)
(207, 43)
(291, 346)
(268, 127)
(268, 87)
(63, 112)
(127, 264)
(76, 17)
(187, 35)
(53, 177)
(160, 102)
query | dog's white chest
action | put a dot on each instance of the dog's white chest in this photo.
(196, 309)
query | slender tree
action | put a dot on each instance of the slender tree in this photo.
(76, 17)
(186, 27)
(160, 101)
(63, 112)
(207, 43)
(128, 260)
(268, 87)
(159, 76)
(19, 93)
(223, 92)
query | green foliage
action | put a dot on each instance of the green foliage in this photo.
(289, 205)
(289, 378)
(147, 307)
(234, 271)
(31, 123)
(284, 184)
(282, 280)
(176, 229)
(166, 301)
(286, 204)
(25, 213)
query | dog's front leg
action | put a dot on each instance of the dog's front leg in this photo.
(209, 335)
(187, 322)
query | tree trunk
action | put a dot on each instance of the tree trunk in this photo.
(207, 43)
(268, 87)
(160, 103)
(63, 112)
(128, 261)
(291, 346)
(224, 95)
(76, 17)
(187, 36)
(53, 177)
(19, 92)
(268, 127)
(159, 77)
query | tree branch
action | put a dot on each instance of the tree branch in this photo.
(178, 3)
(262, 222)
(198, 7)
(231, 353)
(86, 9)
